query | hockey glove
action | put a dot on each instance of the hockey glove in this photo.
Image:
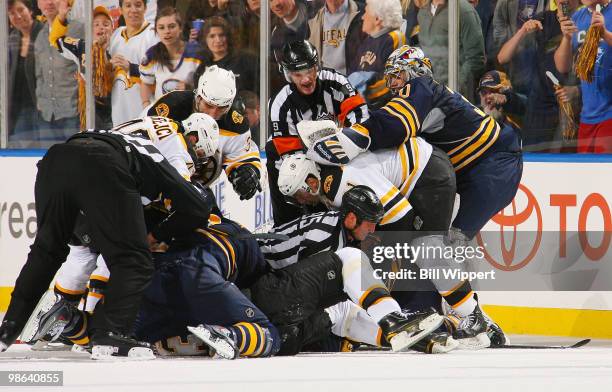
(245, 180)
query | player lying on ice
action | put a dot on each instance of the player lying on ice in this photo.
(197, 283)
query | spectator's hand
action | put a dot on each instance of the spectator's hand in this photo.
(597, 19)
(495, 100)
(567, 93)
(531, 25)
(568, 28)
(63, 8)
(118, 61)
(193, 35)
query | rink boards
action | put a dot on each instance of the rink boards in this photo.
(558, 194)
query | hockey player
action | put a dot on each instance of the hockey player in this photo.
(418, 198)
(167, 136)
(487, 157)
(102, 176)
(331, 231)
(312, 93)
(198, 280)
(238, 155)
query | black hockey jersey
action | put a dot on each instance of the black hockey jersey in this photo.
(441, 116)
(153, 173)
(178, 105)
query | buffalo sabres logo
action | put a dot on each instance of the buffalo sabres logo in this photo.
(237, 117)
(249, 312)
(328, 183)
(367, 59)
(162, 110)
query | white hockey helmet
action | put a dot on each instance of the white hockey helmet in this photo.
(293, 173)
(217, 86)
(206, 130)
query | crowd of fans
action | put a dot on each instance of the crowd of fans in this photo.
(146, 48)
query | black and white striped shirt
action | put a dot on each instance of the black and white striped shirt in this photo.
(308, 235)
(333, 98)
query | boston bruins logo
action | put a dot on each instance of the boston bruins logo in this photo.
(328, 183)
(237, 117)
(162, 110)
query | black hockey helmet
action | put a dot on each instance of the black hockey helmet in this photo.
(298, 56)
(363, 202)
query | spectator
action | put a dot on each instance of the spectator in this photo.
(595, 130)
(542, 116)
(433, 38)
(23, 123)
(247, 31)
(74, 50)
(56, 87)
(381, 22)
(410, 25)
(509, 17)
(498, 100)
(128, 46)
(292, 23)
(218, 50)
(251, 104)
(485, 10)
(335, 31)
(170, 64)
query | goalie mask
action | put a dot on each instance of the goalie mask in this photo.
(406, 63)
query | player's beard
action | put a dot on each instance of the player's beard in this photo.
(496, 113)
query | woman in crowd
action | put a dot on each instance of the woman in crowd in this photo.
(170, 64)
(218, 50)
(22, 80)
(74, 49)
(128, 46)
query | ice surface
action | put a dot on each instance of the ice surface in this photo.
(576, 370)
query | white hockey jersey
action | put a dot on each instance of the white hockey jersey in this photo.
(125, 97)
(165, 136)
(391, 173)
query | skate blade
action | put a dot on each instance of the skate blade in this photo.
(41, 345)
(477, 342)
(222, 348)
(109, 353)
(403, 341)
(46, 302)
(451, 344)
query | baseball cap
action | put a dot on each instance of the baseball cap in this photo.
(495, 80)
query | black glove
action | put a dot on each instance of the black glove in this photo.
(245, 180)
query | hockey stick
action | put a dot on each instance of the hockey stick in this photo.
(262, 236)
(531, 347)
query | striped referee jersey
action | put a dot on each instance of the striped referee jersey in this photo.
(334, 98)
(308, 235)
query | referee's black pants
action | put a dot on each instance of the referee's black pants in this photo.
(88, 176)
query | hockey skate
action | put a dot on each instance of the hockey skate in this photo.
(469, 331)
(49, 319)
(403, 331)
(436, 343)
(107, 345)
(219, 339)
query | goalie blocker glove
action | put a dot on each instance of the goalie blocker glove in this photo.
(245, 180)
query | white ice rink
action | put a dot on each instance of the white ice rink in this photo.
(577, 370)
